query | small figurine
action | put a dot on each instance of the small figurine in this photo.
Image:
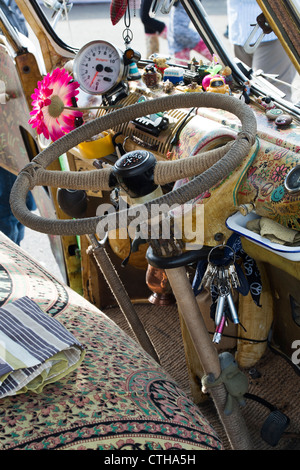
(207, 79)
(193, 87)
(266, 102)
(197, 75)
(213, 69)
(151, 77)
(245, 96)
(174, 75)
(217, 85)
(134, 73)
(193, 64)
(168, 86)
(235, 381)
(227, 74)
(215, 60)
(161, 64)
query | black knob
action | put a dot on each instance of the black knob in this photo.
(72, 202)
(134, 172)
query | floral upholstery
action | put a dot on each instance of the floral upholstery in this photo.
(118, 398)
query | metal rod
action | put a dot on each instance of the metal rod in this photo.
(234, 425)
(113, 280)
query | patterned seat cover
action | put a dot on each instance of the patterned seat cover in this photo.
(118, 398)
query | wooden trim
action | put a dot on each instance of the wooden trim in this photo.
(285, 26)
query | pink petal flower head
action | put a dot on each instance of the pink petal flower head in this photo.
(55, 92)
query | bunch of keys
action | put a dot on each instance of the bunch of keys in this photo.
(225, 279)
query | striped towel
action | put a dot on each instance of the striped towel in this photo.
(35, 349)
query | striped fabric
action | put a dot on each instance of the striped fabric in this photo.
(35, 349)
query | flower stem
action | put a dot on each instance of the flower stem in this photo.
(79, 108)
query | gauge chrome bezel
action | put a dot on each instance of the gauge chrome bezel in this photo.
(286, 185)
(121, 74)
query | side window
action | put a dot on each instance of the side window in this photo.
(10, 11)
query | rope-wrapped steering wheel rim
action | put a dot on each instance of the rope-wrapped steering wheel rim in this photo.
(213, 165)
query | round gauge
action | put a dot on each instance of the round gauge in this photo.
(98, 67)
(292, 180)
(134, 173)
(135, 162)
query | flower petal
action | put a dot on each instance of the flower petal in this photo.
(59, 83)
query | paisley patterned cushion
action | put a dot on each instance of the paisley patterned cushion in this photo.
(118, 398)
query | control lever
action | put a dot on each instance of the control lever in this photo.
(118, 146)
(60, 8)
(165, 7)
(154, 8)
(266, 29)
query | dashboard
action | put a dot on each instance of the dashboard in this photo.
(102, 69)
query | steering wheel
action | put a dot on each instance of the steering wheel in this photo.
(210, 166)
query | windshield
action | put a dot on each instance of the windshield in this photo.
(80, 22)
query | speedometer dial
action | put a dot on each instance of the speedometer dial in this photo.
(98, 67)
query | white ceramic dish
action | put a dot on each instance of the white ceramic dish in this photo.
(237, 223)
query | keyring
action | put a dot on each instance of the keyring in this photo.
(221, 246)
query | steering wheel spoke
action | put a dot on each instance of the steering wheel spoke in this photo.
(92, 180)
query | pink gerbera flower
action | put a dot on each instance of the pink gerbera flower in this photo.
(56, 92)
